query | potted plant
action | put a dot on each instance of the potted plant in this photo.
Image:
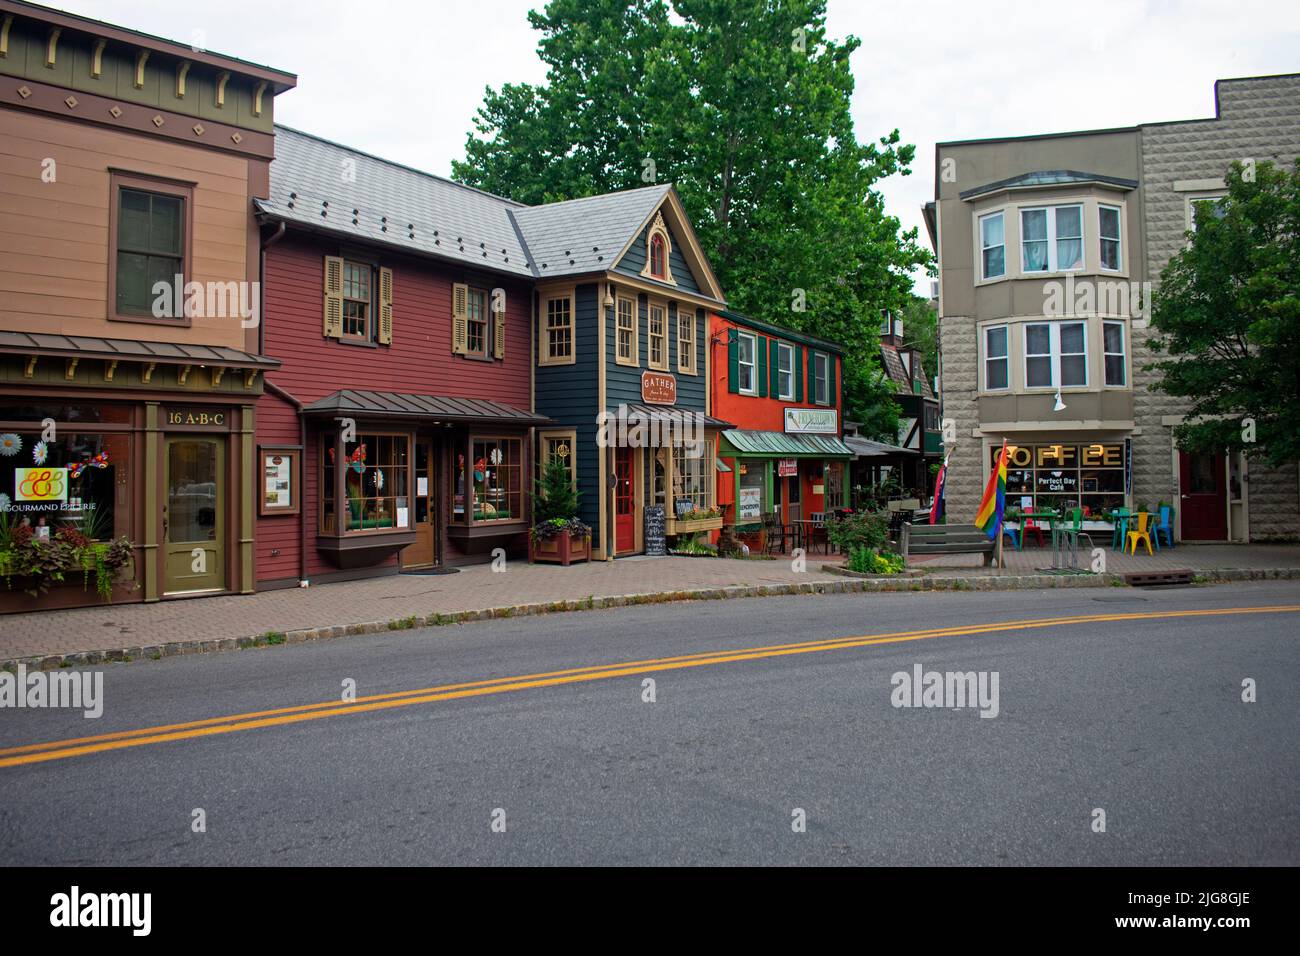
(35, 564)
(558, 535)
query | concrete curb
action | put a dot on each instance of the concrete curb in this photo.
(850, 585)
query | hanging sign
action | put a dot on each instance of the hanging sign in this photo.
(787, 468)
(812, 421)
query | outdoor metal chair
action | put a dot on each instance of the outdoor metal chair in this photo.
(1165, 529)
(774, 533)
(1141, 534)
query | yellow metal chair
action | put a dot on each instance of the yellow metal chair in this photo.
(1141, 533)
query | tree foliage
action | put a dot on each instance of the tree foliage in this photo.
(744, 106)
(1227, 317)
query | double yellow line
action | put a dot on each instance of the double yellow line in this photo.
(166, 733)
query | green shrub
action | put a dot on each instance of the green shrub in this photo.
(859, 529)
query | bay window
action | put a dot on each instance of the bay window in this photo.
(1109, 230)
(1056, 354)
(489, 484)
(997, 373)
(692, 478)
(1051, 239)
(993, 249)
(1113, 352)
(376, 483)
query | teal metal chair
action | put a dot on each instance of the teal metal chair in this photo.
(1013, 534)
(1121, 528)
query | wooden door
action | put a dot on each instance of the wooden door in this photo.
(1204, 504)
(423, 551)
(194, 515)
(624, 501)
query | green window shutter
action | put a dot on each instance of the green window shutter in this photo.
(830, 391)
(760, 366)
(798, 373)
(733, 362)
(774, 379)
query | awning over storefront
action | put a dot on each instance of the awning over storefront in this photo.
(781, 445)
(866, 448)
(362, 403)
(36, 344)
(668, 413)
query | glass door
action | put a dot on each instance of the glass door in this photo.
(423, 552)
(194, 516)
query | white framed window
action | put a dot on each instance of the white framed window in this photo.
(556, 345)
(784, 372)
(821, 378)
(1108, 228)
(657, 336)
(1051, 239)
(686, 340)
(1112, 335)
(1213, 205)
(993, 245)
(1056, 354)
(746, 345)
(626, 345)
(997, 363)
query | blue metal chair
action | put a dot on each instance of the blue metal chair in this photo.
(1165, 529)
(1013, 534)
(1121, 517)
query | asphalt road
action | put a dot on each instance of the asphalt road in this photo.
(1140, 717)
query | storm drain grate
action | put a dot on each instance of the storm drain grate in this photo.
(1146, 579)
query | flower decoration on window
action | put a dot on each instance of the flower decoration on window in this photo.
(76, 469)
(5, 503)
(480, 469)
(10, 444)
(379, 479)
(40, 451)
(357, 460)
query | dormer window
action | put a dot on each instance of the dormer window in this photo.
(658, 248)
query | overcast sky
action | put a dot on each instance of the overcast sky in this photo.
(936, 71)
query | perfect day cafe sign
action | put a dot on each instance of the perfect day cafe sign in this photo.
(812, 421)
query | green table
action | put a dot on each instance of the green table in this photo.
(1061, 535)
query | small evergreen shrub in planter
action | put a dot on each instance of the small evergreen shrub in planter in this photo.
(557, 536)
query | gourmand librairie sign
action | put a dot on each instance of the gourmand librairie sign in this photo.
(812, 421)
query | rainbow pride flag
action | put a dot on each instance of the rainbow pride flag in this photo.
(936, 507)
(989, 518)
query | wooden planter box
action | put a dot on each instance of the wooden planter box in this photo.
(561, 549)
(678, 526)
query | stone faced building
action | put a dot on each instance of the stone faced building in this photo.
(1045, 247)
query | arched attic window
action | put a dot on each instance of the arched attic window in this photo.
(658, 247)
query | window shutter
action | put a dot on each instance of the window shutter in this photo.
(499, 335)
(830, 390)
(733, 362)
(798, 373)
(333, 328)
(774, 357)
(385, 306)
(760, 366)
(459, 318)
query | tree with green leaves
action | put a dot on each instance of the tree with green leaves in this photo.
(1227, 318)
(744, 106)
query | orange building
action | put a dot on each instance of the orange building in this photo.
(781, 390)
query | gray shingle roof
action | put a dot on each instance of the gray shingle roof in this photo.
(604, 224)
(897, 371)
(322, 185)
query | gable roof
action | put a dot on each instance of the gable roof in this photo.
(897, 372)
(324, 187)
(605, 224)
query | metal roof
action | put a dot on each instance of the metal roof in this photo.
(323, 186)
(748, 442)
(866, 448)
(172, 353)
(360, 402)
(1048, 177)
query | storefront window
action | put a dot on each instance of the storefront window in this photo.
(70, 480)
(1057, 476)
(693, 478)
(376, 483)
(490, 482)
(752, 486)
(834, 480)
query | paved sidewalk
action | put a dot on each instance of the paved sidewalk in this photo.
(418, 598)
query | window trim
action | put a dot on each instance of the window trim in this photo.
(336, 442)
(371, 284)
(544, 356)
(788, 350)
(1004, 357)
(752, 363)
(979, 228)
(467, 519)
(821, 379)
(1190, 206)
(664, 364)
(1054, 355)
(119, 179)
(691, 367)
(635, 359)
(1118, 239)
(1053, 265)
(571, 436)
(1122, 353)
(657, 228)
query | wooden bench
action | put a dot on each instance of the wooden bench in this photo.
(944, 539)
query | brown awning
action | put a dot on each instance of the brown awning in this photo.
(130, 350)
(360, 403)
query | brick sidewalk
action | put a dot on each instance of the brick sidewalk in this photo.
(477, 588)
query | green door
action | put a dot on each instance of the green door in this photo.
(194, 516)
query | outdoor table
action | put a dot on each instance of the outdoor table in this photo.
(1062, 538)
(803, 528)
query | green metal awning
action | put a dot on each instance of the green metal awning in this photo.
(780, 445)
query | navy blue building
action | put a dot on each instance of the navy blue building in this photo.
(622, 325)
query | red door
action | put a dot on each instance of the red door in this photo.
(1204, 497)
(624, 501)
